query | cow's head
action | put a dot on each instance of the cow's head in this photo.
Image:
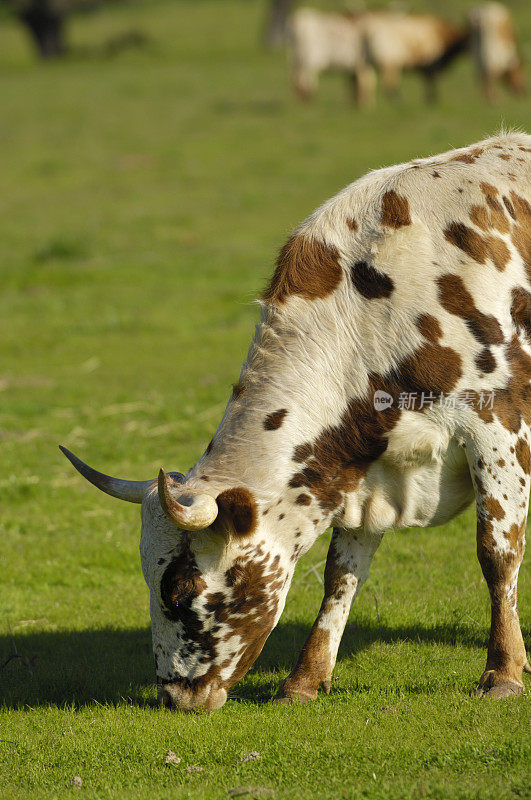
(216, 589)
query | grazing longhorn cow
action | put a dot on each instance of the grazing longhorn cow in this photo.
(495, 49)
(319, 42)
(396, 41)
(388, 383)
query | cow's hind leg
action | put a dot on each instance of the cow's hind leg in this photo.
(500, 465)
(305, 79)
(363, 84)
(347, 567)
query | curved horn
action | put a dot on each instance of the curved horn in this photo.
(190, 510)
(133, 491)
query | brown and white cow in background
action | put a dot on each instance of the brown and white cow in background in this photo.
(359, 43)
(413, 281)
(319, 42)
(495, 49)
(397, 41)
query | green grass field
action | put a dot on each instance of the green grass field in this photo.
(144, 199)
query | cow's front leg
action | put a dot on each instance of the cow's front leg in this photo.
(501, 470)
(347, 566)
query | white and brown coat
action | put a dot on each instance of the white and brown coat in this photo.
(414, 280)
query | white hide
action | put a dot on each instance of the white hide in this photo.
(311, 358)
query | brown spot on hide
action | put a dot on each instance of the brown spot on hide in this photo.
(493, 508)
(521, 234)
(238, 508)
(512, 402)
(521, 310)
(515, 536)
(395, 210)
(429, 327)
(274, 420)
(456, 299)
(497, 218)
(480, 217)
(467, 240)
(303, 500)
(369, 282)
(498, 251)
(523, 455)
(305, 267)
(302, 452)
(509, 206)
(352, 224)
(478, 247)
(464, 158)
(485, 361)
(431, 368)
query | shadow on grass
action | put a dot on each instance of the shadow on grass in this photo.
(283, 647)
(110, 666)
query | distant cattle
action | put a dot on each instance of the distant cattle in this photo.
(388, 384)
(320, 42)
(494, 48)
(397, 41)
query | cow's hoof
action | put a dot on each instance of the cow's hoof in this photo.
(500, 690)
(497, 689)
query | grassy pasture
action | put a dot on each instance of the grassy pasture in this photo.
(144, 198)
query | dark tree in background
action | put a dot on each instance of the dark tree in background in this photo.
(275, 31)
(44, 20)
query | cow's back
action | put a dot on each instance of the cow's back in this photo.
(325, 41)
(401, 40)
(436, 252)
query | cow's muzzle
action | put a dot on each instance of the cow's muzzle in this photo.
(180, 695)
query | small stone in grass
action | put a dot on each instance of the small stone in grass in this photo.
(194, 768)
(171, 758)
(77, 782)
(252, 756)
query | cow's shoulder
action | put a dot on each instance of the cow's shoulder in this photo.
(465, 208)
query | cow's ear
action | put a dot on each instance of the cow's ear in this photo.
(237, 507)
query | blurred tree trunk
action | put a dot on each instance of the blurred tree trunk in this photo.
(46, 26)
(275, 30)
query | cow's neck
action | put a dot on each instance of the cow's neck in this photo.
(295, 382)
